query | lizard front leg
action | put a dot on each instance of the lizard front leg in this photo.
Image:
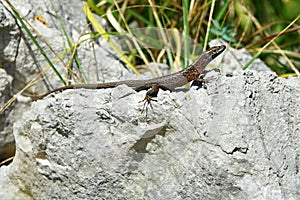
(205, 77)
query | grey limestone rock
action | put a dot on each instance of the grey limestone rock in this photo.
(239, 139)
(7, 146)
(21, 61)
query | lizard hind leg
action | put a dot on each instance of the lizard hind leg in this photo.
(147, 102)
(150, 97)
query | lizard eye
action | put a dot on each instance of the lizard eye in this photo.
(214, 55)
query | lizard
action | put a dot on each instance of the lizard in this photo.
(168, 82)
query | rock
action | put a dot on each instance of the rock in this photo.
(239, 139)
(22, 61)
(8, 189)
(9, 39)
(7, 145)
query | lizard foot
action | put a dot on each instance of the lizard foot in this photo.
(147, 102)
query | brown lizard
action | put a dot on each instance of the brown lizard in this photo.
(168, 82)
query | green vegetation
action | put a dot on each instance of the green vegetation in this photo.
(256, 25)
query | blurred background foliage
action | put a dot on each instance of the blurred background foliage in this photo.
(249, 24)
